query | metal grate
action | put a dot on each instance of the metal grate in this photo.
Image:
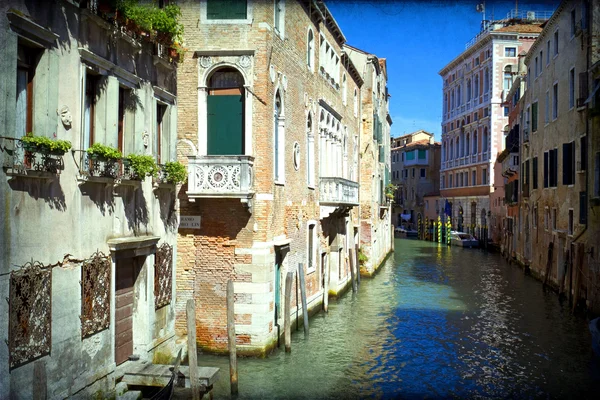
(30, 313)
(95, 294)
(163, 279)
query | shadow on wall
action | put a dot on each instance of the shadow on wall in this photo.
(166, 201)
(135, 207)
(100, 195)
(48, 190)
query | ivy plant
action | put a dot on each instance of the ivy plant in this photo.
(161, 23)
(176, 172)
(44, 144)
(98, 150)
(142, 165)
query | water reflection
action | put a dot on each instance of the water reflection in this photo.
(436, 322)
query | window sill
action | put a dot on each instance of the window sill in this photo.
(311, 271)
(279, 183)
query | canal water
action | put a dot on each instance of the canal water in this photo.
(435, 322)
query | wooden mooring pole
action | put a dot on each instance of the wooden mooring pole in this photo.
(233, 374)
(190, 313)
(326, 286)
(286, 312)
(352, 272)
(303, 294)
(357, 264)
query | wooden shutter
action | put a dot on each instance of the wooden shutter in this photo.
(225, 125)
(535, 172)
(546, 169)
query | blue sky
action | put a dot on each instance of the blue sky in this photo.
(418, 38)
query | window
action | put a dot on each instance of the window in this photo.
(582, 154)
(535, 217)
(422, 172)
(469, 92)
(310, 50)
(450, 181)
(225, 113)
(510, 52)
(541, 61)
(597, 175)
(161, 135)
(344, 88)
(219, 9)
(507, 81)
(422, 154)
(537, 66)
(279, 139)
(475, 142)
(402, 157)
(571, 88)
(310, 152)
(554, 219)
(506, 111)
(355, 102)
(556, 43)
(279, 16)
(476, 86)
(89, 109)
(486, 81)
(555, 101)
(484, 142)
(570, 232)
(26, 63)
(413, 172)
(535, 173)
(573, 22)
(484, 176)
(568, 162)
(548, 52)
(474, 178)
(547, 111)
(534, 117)
(443, 181)
(550, 168)
(312, 248)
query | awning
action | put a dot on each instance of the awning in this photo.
(405, 217)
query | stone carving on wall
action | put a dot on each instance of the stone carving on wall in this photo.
(65, 116)
(245, 61)
(205, 61)
(145, 139)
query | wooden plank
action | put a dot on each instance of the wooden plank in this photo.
(233, 375)
(286, 312)
(303, 294)
(190, 314)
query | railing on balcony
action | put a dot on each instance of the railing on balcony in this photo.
(474, 158)
(18, 160)
(335, 191)
(220, 176)
(99, 169)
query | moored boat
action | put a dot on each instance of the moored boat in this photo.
(463, 239)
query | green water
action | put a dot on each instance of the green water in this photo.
(436, 322)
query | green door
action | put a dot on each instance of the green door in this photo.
(225, 125)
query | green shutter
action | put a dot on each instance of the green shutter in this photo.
(422, 154)
(225, 125)
(8, 83)
(226, 9)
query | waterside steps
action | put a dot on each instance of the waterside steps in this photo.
(146, 374)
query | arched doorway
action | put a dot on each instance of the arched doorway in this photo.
(225, 112)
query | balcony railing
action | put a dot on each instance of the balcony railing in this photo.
(220, 176)
(20, 161)
(334, 191)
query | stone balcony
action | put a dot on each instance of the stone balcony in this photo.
(338, 192)
(220, 176)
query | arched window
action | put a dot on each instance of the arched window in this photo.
(445, 103)
(476, 86)
(279, 139)
(310, 50)
(484, 142)
(469, 90)
(310, 152)
(457, 151)
(475, 143)
(486, 81)
(344, 88)
(467, 145)
(225, 113)
(451, 149)
(355, 102)
(452, 100)
(458, 99)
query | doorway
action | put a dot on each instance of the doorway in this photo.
(127, 271)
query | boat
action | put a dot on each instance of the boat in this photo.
(463, 239)
(595, 331)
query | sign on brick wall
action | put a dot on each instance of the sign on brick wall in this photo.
(189, 222)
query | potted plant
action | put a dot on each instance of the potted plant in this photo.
(390, 190)
(43, 144)
(98, 151)
(175, 172)
(141, 165)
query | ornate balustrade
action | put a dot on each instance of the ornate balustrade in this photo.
(20, 160)
(335, 191)
(220, 176)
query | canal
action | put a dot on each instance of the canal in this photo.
(436, 322)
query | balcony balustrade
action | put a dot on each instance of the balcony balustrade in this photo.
(335, 191)
(474, 158)
(19, 160)
(220, 176)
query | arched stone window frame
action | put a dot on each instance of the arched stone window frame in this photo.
(203, 104)
(344, 89)
(310, 151)
(278, 136)
(310, 50)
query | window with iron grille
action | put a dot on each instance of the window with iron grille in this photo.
(30, 311)
(163, 279)
(95, 294)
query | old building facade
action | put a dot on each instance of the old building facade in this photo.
(375, 174)
(269, 126)
(473, 119)
(415, 162)
(87, 244)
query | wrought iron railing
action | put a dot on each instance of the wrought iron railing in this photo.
(18, 159)
(93, 167)
(337, 191)
(220, 176)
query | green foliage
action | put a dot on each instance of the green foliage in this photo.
(390, 189)
(176, 172)
(149, 18)
(142, 165)
(362, 257)
(44, 144)
(106, 152)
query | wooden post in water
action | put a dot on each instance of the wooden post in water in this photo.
(40, 386)
(233, 374)
(326, 286)
(352, 273)
(303, 294)
(286, 312)
(357, 264)
(190, 314)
